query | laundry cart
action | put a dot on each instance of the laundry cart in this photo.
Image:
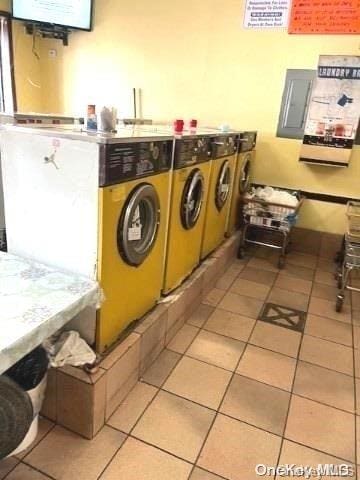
(267, 223)
(350, 256)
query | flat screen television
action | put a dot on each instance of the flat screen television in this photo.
(74, 14)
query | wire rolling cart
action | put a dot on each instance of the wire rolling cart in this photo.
(274, 219)
(350, 255)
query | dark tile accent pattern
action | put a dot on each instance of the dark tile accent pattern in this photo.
(283, 317)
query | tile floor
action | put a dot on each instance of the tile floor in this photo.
(230, 391)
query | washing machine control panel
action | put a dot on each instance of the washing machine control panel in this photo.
(247, 141)
(189, 151)
(122, 162)
(224, 146)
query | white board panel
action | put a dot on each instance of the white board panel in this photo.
(51, 208)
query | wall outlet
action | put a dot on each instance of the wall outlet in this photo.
(52, 53)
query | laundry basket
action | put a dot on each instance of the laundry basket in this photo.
(275, 220)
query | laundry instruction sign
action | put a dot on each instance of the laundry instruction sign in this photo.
(333, 114)
(267, 13)
(325, 16)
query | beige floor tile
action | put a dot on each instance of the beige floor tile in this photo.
(264, 264)
(356, 331)
(6, 465)
(230, 324)
(326, 265)
(258, 251)
(294, 284)
(357, 421)
(357, 363)
(24, 472)
(201, 314)
(175, 425)
(275, 338)
(327, 292)
(216, 349)
(64, 455)
(138, 461)
(294, 453)
(295, 300)
(199, 382)
(44, 428)
(297, 271)
(329, 329)
(259, 276)
(256, 403)
(355, 300)
(233, 449)
(302, 259)
(132, 407)
(327, 354)
(306, 241)
(268, 367)
(249, 307)
(355, 278)
(308, 423)
(238, 264)
(183, 338)
(214, 296)
(325, 386)
(327, 278)
(326, 308)
(226, 280)
(250, 289)
(356, 317)
(161, 368)
(357, 406)
(200, 474)
(330, 245)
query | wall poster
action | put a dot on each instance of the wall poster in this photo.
(333, 114)
(325, 16)
(267, 13)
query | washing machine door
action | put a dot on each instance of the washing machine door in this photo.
(138, 224)
(192, 199)
(244, 181)
(223, 183)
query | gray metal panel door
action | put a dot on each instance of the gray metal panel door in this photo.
(295, 103)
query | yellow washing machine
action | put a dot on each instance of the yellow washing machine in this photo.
(190, 184)
(242, 178)
(134, 200)
(224, 149)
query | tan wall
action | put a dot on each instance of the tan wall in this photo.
(194, 59)
(30, 89)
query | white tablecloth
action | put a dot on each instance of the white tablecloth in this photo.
(35, 302)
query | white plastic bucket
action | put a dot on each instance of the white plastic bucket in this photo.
(37, 396)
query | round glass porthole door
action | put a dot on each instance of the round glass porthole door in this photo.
(245, 175)
(138, 224)
(223, 185)
(192, 199)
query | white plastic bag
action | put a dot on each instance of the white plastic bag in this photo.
(69, 349)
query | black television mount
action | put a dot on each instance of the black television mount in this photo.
(48, 30)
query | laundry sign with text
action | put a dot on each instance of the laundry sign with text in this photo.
(333, 114)
(267, 13)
